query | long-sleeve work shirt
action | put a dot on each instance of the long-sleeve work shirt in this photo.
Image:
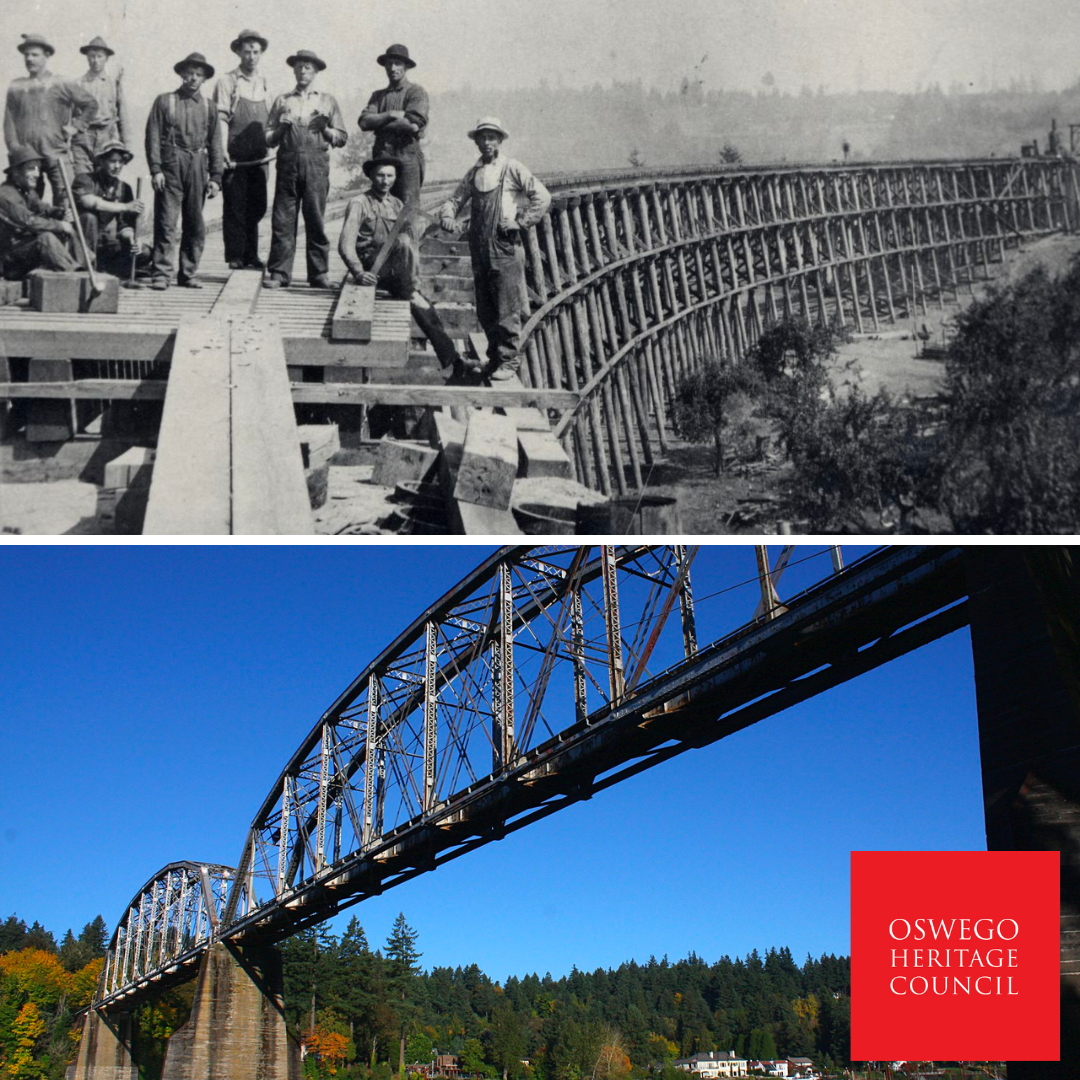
(303, 106)
(525, 200)
(107, 91)
(392, 136)
(23, 215)
(38, 108)
(181, 121)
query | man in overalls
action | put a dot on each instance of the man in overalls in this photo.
(242, 100)
(369, 220)
(183, 150)
(504, 200)
(398, 114)
(112, 123)
(304, 124)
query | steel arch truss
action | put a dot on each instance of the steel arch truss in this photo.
(634, 284)
(534, 642)
(165, 926)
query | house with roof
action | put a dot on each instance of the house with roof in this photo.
(714, 1063)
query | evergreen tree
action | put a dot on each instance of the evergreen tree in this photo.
(95, 936)
(402, 979)
(12, 934)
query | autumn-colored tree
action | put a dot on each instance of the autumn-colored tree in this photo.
(612, 1062)
(35, 975)
(26, 1029)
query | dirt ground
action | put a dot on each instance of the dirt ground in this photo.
(748, 498)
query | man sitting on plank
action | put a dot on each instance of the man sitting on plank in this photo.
(33, 236)
(370, 220)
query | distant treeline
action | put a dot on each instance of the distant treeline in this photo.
(559, 129)
(604, 1025)
(365, 1013)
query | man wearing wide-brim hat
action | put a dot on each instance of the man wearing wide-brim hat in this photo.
(47, 113)
(242, 99)
(183, 151)
(109, 212)
(304, 124)
(370, 218)
(398, 114)
(112, 123)
(504, 200)
(32, 235)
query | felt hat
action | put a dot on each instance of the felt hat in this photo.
(249, 35)
(97, 43)
(397, 52)
(309, 56)
(20, 156)
(111, 147)
(35, 41)
(369, 167)
(194, 58)
(489, 123)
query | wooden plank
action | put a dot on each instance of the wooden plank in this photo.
(310, 350)
(49, 420)
(403, 394)
(30, 336)
(489, 461)
(83, 389)
(354, 312)
(542, 455)
(189, 493)
(269, 490)
(240, 293)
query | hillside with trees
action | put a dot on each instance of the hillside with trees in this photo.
(371, 1013)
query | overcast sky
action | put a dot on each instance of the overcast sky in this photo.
(842, 44)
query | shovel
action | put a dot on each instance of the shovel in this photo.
(95, 285)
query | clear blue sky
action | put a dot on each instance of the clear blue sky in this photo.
(149, 697)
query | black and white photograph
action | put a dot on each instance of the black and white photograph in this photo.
(494, 267)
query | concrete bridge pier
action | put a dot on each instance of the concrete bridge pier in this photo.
(1025, 637)
(237, 1026)
(105, 1049)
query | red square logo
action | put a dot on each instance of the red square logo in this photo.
(955, 955)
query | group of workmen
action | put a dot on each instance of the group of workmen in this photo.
(76, 134)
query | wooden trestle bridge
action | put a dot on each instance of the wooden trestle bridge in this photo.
(633, 280)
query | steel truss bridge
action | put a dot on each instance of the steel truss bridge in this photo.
(546, 675)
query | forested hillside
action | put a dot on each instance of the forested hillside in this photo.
(363, 1011)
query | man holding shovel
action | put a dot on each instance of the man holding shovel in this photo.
(33, 236)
